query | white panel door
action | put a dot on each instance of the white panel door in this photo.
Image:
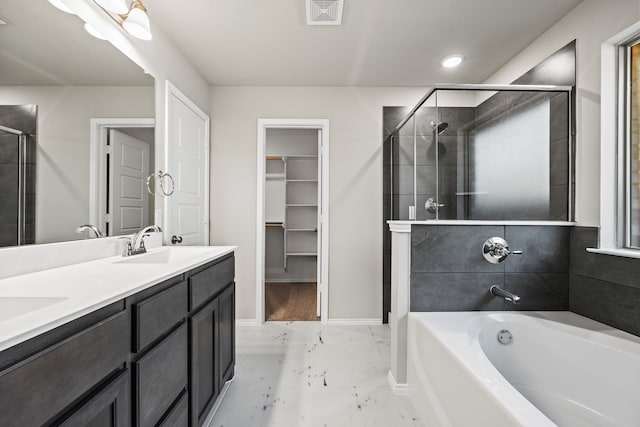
(129, 168)
(188, 160)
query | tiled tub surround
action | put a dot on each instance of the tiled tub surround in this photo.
(449, 273)
(441, 268)
(605, 288)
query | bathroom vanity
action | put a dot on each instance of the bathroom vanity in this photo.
(147, 340)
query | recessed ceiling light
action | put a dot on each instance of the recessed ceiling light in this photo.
(452, 61)
(63, 7)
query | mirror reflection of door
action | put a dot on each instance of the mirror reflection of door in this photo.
(129, 160)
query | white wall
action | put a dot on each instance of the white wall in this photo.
(355, 114)
(62, 169)
(591, 23)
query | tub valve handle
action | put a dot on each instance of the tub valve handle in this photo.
(496, 250)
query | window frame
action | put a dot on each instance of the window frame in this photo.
(613, 145)
(625, 142)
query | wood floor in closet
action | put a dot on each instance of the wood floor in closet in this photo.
(290, 301)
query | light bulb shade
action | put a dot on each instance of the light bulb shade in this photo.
(137, 22)
(63, 7)
(93, 31)
(120, 7)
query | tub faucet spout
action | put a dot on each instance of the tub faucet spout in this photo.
(508, 296)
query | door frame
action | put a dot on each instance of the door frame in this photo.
(263, 125)
(99, 129)
(172, 90)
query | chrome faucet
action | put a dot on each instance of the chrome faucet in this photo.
(93, 228)
(496, 250)
(508, 296)
(135, 244)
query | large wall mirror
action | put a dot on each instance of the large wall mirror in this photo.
(54, 79)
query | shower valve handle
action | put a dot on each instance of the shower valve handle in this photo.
(496, 249)
(432, 206)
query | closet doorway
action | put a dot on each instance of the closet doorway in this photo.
(293, 214)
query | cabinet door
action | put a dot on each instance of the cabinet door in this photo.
(109, 407)
(227, 309)
(160, 376)
(205, 369)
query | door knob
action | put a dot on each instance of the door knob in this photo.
(176, 239)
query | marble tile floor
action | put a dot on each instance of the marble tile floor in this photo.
(305, 374)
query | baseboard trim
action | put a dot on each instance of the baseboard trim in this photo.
(209, 420)
(348, 322)
(397, 388)
(247, 322)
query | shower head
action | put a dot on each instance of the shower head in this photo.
(439, 127)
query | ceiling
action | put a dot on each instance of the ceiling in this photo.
(41, 45)
(381, 42)
(266, 42)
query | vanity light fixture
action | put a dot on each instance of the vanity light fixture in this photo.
(452, 61)
(134, 20)
(93, 31)
(137, 22)
(63, 7)
(120, 7)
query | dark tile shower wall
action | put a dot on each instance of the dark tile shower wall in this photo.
(449, 273)
(21, 117)
(603, 287)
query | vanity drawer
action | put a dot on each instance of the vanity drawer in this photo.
(161, 375)
(157, 314)
(40, 387)
(209, 282)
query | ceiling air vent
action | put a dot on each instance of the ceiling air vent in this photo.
(324, 12)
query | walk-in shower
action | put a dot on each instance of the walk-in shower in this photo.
(17, 178)
(482, 152)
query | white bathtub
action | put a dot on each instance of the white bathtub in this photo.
(560, 369)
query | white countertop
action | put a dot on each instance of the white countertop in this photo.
(67, 293)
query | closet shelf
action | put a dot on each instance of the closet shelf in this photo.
(274, 224)
(302, 229)
(275, 158)
(301, 254)
(279, 176)
(301, 205)
(302, 180)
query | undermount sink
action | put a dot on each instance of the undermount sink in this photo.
(163, 256)
(15, 306)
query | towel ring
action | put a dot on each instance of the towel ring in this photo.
(160, 176)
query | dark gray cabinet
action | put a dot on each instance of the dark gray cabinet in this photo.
(44, 384)
(212, 330)
(109, 407)
(227, 328)
(158, 358)
(205, 369)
